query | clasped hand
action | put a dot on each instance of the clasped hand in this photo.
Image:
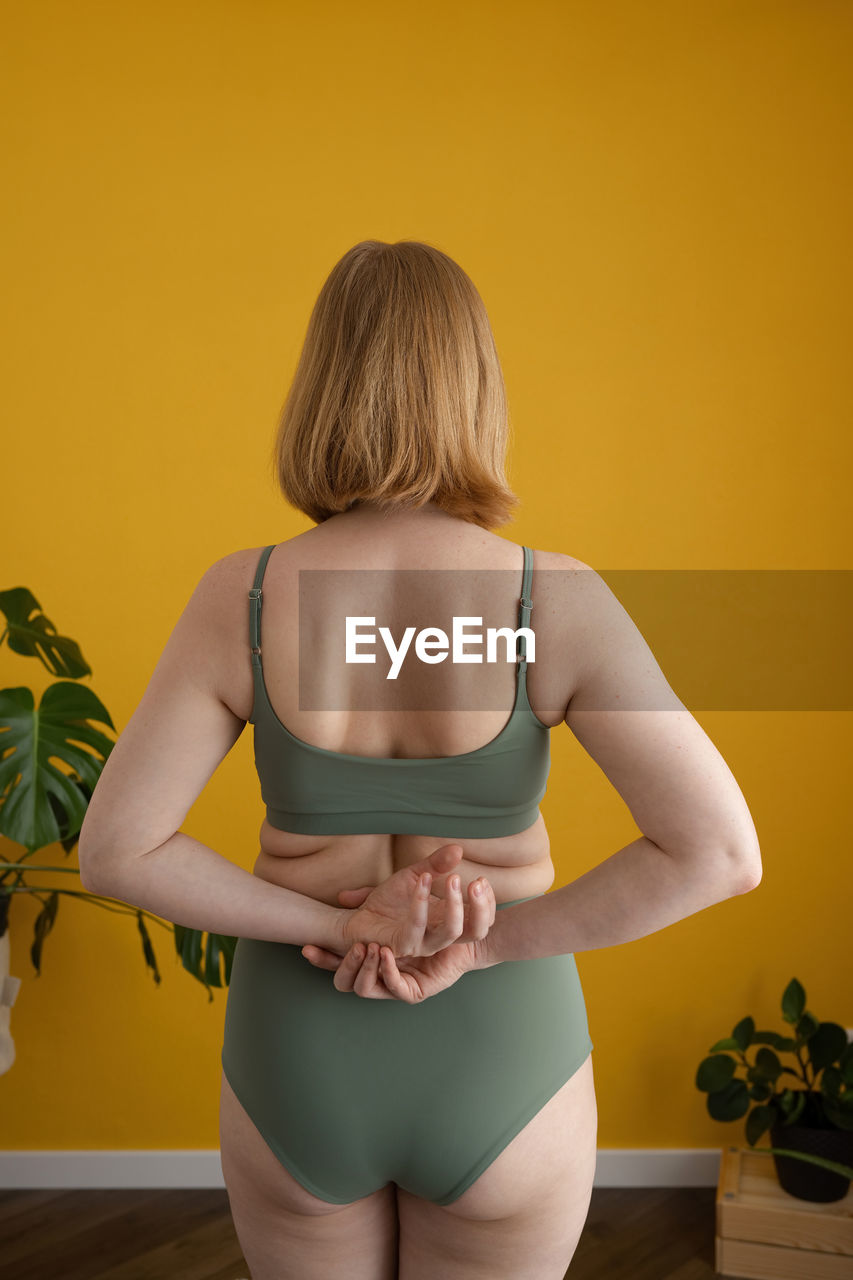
(392, 925)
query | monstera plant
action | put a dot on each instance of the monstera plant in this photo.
(51, 757)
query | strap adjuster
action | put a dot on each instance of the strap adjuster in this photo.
(526, 603)
(255, 593)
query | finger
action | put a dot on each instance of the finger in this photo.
(321, 958)
(444, 859)
(440, 862)
(349, 968)
(417, 919)
(453, 923)
(392, 977)
(483, 909)
(365, 983)
(354, 897)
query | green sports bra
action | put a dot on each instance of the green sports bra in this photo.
(493, 791)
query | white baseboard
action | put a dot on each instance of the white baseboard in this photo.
(20, 1170)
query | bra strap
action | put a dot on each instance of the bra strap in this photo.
(256, 593)
(255, 606)
(525, 605)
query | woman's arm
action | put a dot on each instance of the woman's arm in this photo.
(698, 844)
(634, 892)
(190, 884)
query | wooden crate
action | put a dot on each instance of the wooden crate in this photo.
(765, 1233)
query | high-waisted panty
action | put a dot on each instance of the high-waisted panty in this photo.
(351, 1093)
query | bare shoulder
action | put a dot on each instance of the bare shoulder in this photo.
(588, 623)
(573, 587)
(233, 574)
(222, 599)
(224, 592)
(562, 604)
(235, 568)
(220, 590)
(238, 568)
(564, 585)
(557, 560)
(602, 637)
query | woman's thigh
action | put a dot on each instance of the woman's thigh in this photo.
(286, 1232)
(523, 1216)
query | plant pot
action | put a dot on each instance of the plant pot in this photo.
(9, 987)
(809, 1181)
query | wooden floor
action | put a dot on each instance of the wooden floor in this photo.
(644, 1234)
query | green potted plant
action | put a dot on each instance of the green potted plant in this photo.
(811, 1128)
(42, 804)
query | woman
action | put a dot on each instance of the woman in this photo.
(427, 1110)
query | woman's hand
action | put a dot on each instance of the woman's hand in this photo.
(373, 972)
(401, 913)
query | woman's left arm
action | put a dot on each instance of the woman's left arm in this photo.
(130, 846)
(187, 882)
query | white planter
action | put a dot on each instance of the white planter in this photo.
(9, 988)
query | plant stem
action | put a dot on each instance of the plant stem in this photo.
(39, 866)
(97, 900)
(22, 865)
(843, 1169)
(798, 1054)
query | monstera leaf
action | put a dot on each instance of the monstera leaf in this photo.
(40, 803)
(30, 636)
(204, 955)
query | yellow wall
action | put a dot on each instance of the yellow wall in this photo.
(654, 201)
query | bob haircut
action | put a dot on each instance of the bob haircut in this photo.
(398, 398)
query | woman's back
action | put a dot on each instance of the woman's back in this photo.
(426, 715)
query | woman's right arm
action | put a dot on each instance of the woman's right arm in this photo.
(698, 844)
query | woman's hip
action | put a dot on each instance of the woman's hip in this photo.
(283, 1010)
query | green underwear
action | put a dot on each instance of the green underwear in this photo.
(351, 1093)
